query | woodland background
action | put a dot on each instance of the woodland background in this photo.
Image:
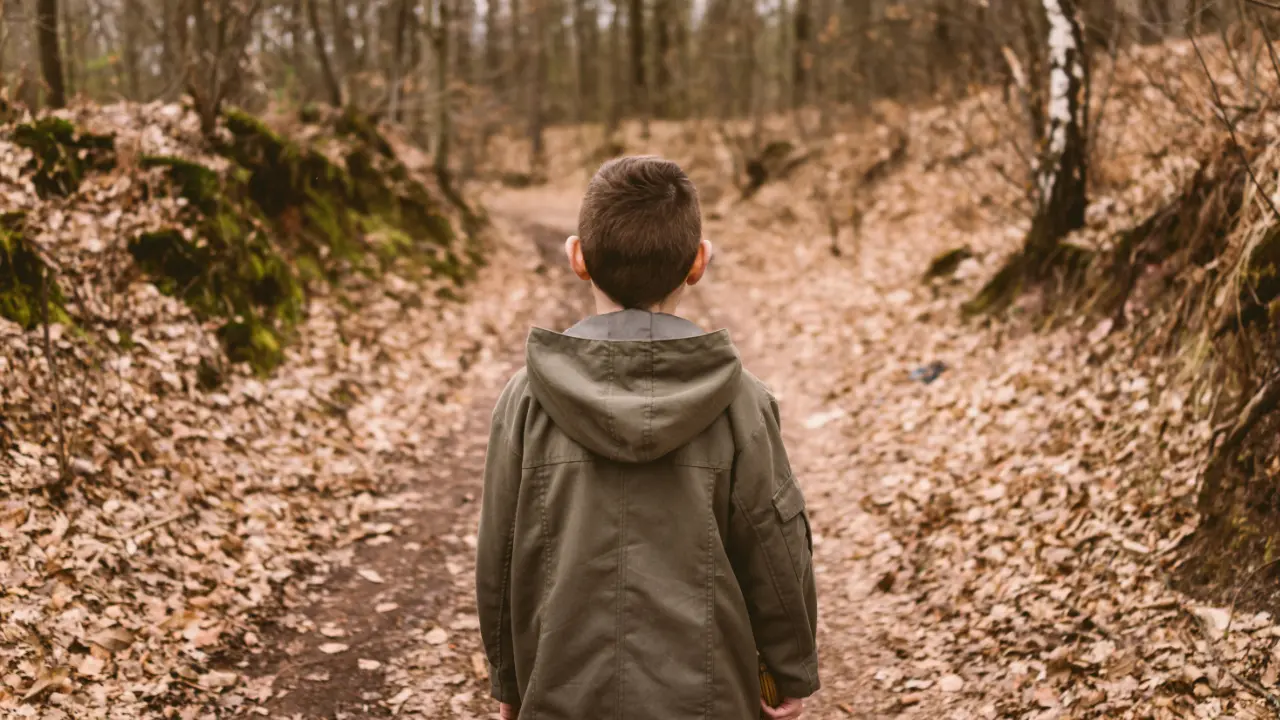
(1012, 265)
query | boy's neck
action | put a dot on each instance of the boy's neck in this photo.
(605, 305)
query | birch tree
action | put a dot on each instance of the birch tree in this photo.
(1061, 172)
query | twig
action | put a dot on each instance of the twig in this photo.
(1231, 128)
(155, 525)
(1236, 595)
(1264, 3)
(1271, 50)
(63, 461)
(1262, 403)
(1256, 688)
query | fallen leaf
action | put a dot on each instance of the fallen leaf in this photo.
(437, 636)
(333, 648)
(114, 639)
(218, 680)
(90, 666)
(366, 664)
(1216, 620)
(951, 684)
(370, 575)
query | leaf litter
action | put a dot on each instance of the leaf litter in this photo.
(994, 543)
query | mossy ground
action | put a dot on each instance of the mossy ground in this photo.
(287, 216)
(22, 273)
(63, 154)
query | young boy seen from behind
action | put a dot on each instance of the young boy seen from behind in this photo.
(643, 544)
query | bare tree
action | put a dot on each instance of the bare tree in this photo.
(536, 120)
(50, 52)
(222, 35)
(440, 32)
(639, 84)
(400, 29)
(801, 53)
(331, 83)
(1061, 175)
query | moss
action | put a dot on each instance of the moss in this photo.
(946, 264)
(62, 154)
(21, 274)
(355, 124)
(284, 216)
(1262, 271)
(197, 183)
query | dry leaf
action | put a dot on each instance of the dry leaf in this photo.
(333, 648)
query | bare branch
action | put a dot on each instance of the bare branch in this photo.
(1231, 128)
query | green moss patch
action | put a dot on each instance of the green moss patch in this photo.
(285, 216)
(21, 273)
(63, 154)
(223, 265)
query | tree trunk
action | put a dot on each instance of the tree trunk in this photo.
(1061, 192)
(403, 15)
(440, 42)
(1062, 173)
(331, 83)
(639, 84)
(536, 86)
(587, 42)
(616, 80)
(801, 54)
(343, 45)
(50, 52)
(518, 73)
(663, 16)
(130, 24)
(463, 67)
(493, 46)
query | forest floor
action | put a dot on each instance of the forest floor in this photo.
(999, 506)
(985, 543)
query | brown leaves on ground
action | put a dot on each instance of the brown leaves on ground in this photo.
(994, 543)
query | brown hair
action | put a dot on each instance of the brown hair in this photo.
(640, 225)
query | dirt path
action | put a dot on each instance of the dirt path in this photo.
(346, 646)
(399, 608)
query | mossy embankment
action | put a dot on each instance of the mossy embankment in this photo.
(264, 220)
(26, 281)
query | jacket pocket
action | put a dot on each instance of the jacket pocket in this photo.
(788, 503)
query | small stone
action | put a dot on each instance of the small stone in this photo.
(951, 683)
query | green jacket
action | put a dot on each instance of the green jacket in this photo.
(642, 536)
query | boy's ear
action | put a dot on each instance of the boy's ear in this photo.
(573, 251)
(700, 262)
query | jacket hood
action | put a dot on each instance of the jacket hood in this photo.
(633, 385)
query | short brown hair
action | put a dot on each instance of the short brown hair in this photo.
(640, 225)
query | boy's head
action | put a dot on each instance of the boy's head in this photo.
(640, 232)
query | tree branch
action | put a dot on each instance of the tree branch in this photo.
(1231, 128)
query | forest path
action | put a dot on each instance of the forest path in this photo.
(411, 644)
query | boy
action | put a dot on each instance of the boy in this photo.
(643, 544)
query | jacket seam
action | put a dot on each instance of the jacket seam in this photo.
(760, 428)
(502, 605)
(648, 445)
(709, 565)
(566, 460)
(613, 430)
(773, 578)
(620, 599)
(546, 554)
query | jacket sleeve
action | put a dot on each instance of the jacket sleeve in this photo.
(771, 550)
(494, 546)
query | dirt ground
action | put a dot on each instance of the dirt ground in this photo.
(982, 546)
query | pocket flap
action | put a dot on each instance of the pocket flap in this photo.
(788, 501)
